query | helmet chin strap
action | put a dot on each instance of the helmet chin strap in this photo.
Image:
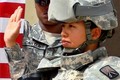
(89, 40)
(82, 47)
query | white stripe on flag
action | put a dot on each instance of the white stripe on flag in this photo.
(4, 79)
(3, 56)
(4, 22)
(4, 66)
(14, 1)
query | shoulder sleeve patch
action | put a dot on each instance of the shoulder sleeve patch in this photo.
(109, 72)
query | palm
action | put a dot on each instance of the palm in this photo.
(12, 31)
(13, 27)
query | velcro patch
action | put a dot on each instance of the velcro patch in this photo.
(109, 72)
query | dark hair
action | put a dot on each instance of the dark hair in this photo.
(104, 33)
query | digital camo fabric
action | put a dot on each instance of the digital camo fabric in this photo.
(68, 62)
(92, 72)
(69, 75)
(35, 47)
(80, 60)
(107, 69)
(66, 12)
(76, 61)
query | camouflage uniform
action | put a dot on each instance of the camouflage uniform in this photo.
(106, 69)
(103, 14)
(79, 66)
(35, 47)
(89, 65)
(73, 66)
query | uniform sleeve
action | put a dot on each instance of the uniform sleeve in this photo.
(14, 53)
(16, 61)
(16, 56)
(107, 68)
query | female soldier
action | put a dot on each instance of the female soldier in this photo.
(86, 23)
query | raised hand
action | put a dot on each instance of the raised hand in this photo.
(13, 28)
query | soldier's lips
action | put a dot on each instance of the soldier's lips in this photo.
(65, 43)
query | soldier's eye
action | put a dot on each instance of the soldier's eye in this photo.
(43, 2)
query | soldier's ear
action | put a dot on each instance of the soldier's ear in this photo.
(96, 32)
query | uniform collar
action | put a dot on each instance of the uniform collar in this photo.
(38, 35)
(80, 60)
(77, 61)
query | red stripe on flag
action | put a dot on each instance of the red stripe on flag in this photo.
(4, 70)
(2, 43)
(6, 8)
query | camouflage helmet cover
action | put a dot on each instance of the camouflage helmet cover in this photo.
(101, 12)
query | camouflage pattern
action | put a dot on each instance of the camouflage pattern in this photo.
(73, 72)
(105, 22)
(68, 62)
(35, 47)
(69, 75)
(56, 62)
(76, 61)
(72, 67)
(93, 72)
(65, 13)
(35, 50)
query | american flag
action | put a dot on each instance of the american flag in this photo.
(7, 7)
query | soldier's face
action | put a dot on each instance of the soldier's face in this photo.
(73, 34)
(42, 11)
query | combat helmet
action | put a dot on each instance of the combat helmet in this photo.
(100, 12)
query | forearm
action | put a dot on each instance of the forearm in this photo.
(10, 44)
(16, 61)
(14, 52)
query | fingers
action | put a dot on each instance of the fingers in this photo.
(19, 25)
(16, 15)
(19, 13)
